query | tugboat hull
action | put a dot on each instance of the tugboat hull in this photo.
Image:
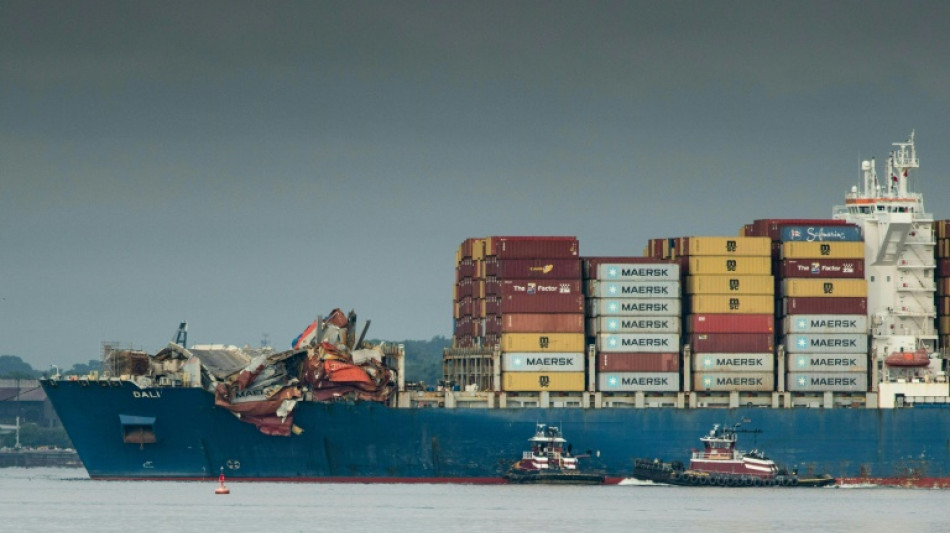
(554, 478)
(670, 474)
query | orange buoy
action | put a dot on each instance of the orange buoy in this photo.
(221, 488)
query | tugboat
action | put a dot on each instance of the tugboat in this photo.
(548, 462)
(720, 464)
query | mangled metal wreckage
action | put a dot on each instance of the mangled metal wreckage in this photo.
(262, 388)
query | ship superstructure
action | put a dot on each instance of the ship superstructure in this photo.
(899, 267)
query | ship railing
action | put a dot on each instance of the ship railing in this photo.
(926, 401)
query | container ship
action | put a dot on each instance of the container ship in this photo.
(828, 336)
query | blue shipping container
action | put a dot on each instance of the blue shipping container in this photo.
(822, 233)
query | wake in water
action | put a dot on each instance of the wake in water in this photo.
(629, 481)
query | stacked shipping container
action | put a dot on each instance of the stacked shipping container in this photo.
(525, 295)
(730, 325)
(823, 308)
(634, 310)
(942, 228)
(468, 259)
(528, 300)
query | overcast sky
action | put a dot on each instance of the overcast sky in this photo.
(246, 166)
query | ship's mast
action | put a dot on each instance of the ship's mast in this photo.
(899, 165)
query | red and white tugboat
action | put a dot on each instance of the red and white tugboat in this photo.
(721, 464)
(551, 461)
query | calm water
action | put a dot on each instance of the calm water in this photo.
(66, 500)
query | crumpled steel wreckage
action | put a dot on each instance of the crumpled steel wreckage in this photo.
(326, 363)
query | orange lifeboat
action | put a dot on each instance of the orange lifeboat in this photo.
(912, 359)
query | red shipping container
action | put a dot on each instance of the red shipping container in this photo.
(732, 342)
(638, 362)
(537, 303)
(730, 323)
(465, 288)
(492, 325)
(466, 269)
(465, 249)
(533, 268)
(529, 288)
(470, 308)
(466, 326)
(943, 268)
(655, 248)
(478, 307)
(821, 268)
(824, 306)
(539, 323)
(532, 247)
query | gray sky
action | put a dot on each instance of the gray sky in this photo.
(246, 166)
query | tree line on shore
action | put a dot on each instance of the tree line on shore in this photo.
(13, 367)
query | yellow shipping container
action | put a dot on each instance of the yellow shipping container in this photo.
(539, 381)
(943, 248)
(732, 304)
(944, 324)
(542, 342)
(730, 246)
(822, 250)
(827, 287)
(478, 249)
(724, 265)
(730, 285)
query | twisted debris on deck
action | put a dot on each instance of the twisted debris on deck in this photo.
(326, 363)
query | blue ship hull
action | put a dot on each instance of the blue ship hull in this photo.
(372, 442)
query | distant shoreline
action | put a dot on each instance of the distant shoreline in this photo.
(28, 458)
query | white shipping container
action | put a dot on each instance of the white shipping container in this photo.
(542, 362)
(634, 307)
(734, 381)
(734, 362)
(638, 272)
(638, 381)
(825, 362)
(826, 324)
(638, 342)
(633, 289)
(633, 324)
(826, 343)
(827, 382)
